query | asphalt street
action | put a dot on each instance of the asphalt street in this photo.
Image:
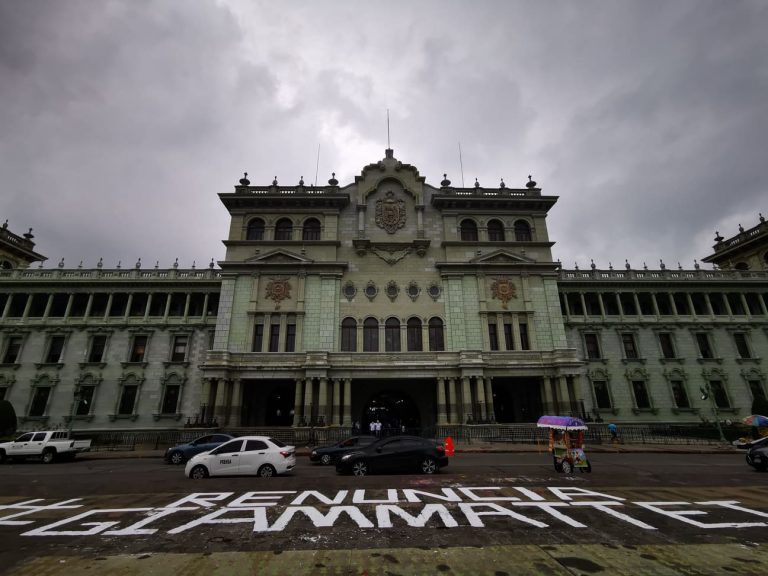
(486, 513)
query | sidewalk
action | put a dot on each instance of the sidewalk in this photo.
(484, 447)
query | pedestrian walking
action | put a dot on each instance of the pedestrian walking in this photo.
(614, 430)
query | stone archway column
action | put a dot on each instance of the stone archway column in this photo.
(336, 383)
(322, 401)
(220, 404)
(441, 418)
(308, 401)
(562, 393)
(489, 399)
(205, 396)
(297, 405)
(481, 397)
(453, 413)
(347, 412)
(235, 408)
(466, 399)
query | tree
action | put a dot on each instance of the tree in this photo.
(7, 418)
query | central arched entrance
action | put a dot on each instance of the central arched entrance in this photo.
(396, 411)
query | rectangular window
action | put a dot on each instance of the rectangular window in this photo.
(138, 349)
(79, 305)
(18, 305)
(59, 304)
(753, 303)
(717, 301)
(171, 399)
(84, 400)
(741, 345)
(127, 400)
(413, 334)
(290, 336)
(179, 352)
(663, 304)
(99, 305)
(646, 304)
(574, 303)
(702, 340)
(370, 337)
(627, 300)
(392, 337)
(681, 303)
(12, 350)
(508, 338)
(178, 303)
(38, 305)
(593, 304)
(258, 337)
(349, 336)
(628, 342)
(667, 347)
(436, 337)
(119, 304)
(98, 345)
(274, 337)
(755, 386)
(592, 346)
(39, 400)
(737, 307)
(610, 304)
(719, 393)
(55, 348)
(699, 304)
(138, 304)
(157, 305)
(196, 305)
(680, 394)
(524, 344)
(493, 336)
(640, 389)
(602, 397)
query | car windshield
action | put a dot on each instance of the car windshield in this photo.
(277, 443)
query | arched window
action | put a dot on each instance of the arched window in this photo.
(436, 340)
(413, 331)
(311, 230)
(468, 230)
(349, 335)
(495, 231)
(283, 229)
(392, 335)
(255, 230)
(522, 231)
(370, 335)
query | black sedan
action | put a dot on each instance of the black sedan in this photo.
(331, 454)
(757, 456)
(393, 454)
(183, 452)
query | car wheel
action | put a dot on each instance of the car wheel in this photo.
(566, 467)
(325, 459)
(199, 472)
(49, 456)
(556, 464)
(267, 471)
(360, 468)
(177, 458)
(429, 466)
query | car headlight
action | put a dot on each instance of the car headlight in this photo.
(314, 452)
(346, 457)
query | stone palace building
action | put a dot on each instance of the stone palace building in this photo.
(384, 298)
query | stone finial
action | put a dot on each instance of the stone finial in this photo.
(718, 238)
(626, 264)
(741, 228)
(274, 182)
(575, 265)
(610, 265)
(157, 264)
(592, 264)
(477, 184)
(194, 262)
(80, 266)
(501, 184)
(5, 224)
(679, 266)
(211, 264)
(119, 263)
(244, 180)
(661, 264)
(645, 266)
(138, 264)
(762, 219)
(559, 263)
(100, 264)
(29, 235)
(531, 182)
(176, 263)
(445, 183)
(61, 263)
(333, 181)
(301, 181)
(696, 264)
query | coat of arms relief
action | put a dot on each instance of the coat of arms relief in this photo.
(390, 213)
(503, 289)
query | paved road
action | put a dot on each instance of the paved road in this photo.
(484, 514)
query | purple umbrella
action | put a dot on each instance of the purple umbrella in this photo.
(756, 420)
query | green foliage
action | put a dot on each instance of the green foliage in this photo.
(7, 418)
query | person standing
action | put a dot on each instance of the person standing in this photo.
(614, 430)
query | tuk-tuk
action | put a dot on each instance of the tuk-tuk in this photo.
(566, 443)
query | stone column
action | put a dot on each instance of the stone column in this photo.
(107, 310)
(638, 310)
(466, 399)
(654, 304)
(489, 407)
(308, 400)
(322, 401)
(690, 304)
(567, 304)
(205, 398)
(481, 397)
(220, 404)
(236, 404)
(744, 304)
(347, 412)
(71, 299)
(453, 412)
(600, 303)
(297, 405)
(672, 304)
(562, 392)
(583, 304)
(619, 304)
(546, 395)
(441, 419)
(708, 302)
(336, 383)
(128, 306)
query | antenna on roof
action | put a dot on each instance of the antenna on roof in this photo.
(461, 163)
(317, 165)
(388, 146)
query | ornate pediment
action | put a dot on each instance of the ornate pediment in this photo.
(278, 257)
(502, 257)
(391, 252)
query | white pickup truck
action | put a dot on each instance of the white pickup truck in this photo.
(48, 445)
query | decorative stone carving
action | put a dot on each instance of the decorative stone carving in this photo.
(392, 290)
(349, 291)
(371, 290)
(390, 256)
(278, 289)
(503, 289)
(390, 213)
(413, 290)
(434, 291)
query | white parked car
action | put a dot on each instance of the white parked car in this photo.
(247, 455)
(48, 445)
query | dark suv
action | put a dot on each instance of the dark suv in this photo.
(395, 453)
(757, 455)
(331, 454)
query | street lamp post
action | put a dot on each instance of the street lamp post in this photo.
(706, 392)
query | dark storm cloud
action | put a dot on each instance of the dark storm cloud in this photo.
(120, 121)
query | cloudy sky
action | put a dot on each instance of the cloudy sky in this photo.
(120, 121)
